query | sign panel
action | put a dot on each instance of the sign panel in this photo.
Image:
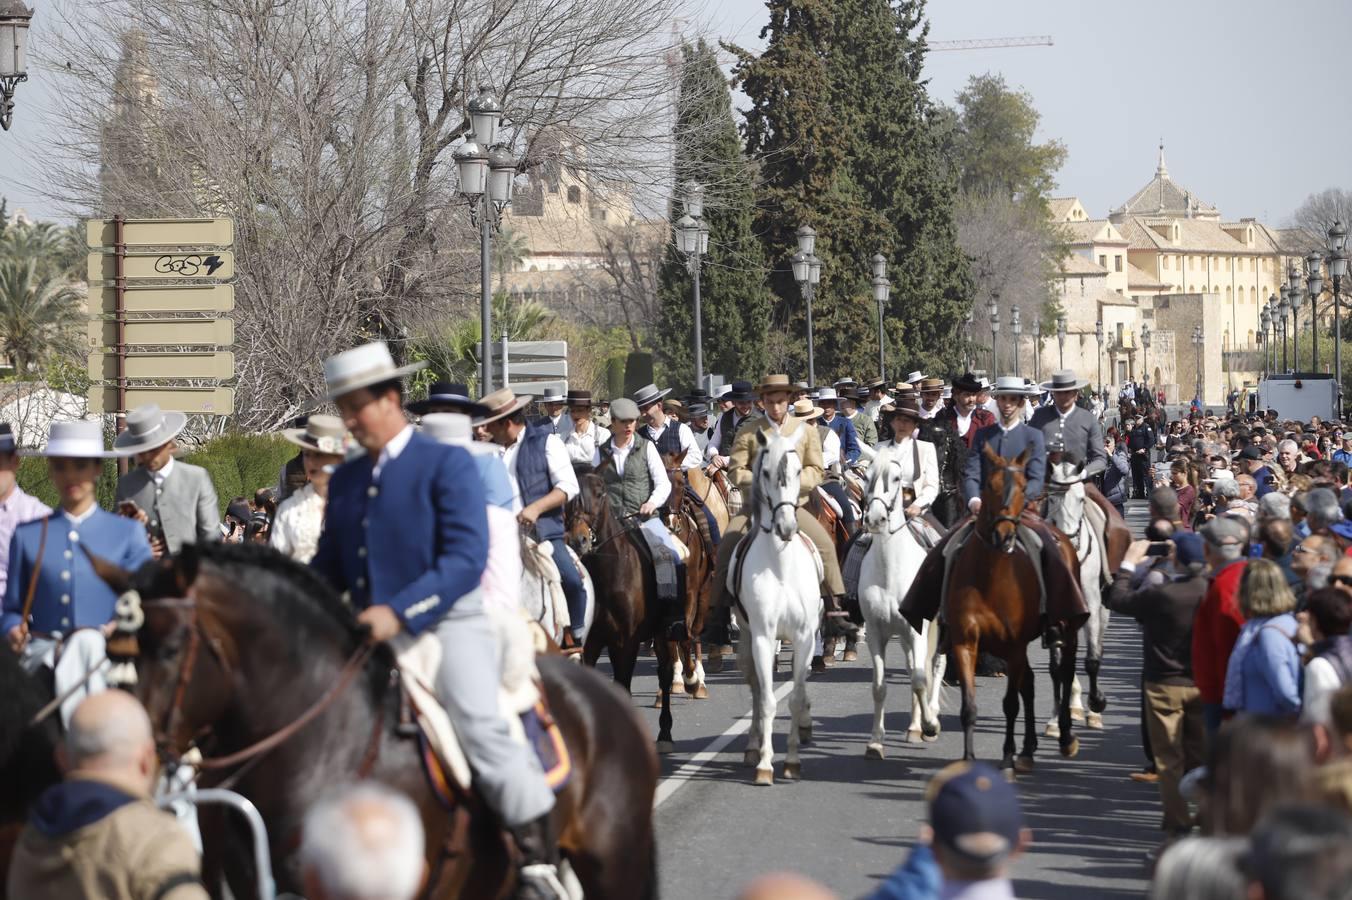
(219, 401)
(537, 388)
(165, 333)
(533, 349)
(159, 298)
(103, 366)
(151, 264)
(530, 368)
(162, 232)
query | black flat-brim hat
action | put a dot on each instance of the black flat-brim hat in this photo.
(968, 382)
(742, 392)
(447, 396)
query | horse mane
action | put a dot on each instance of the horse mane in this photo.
(21, 696)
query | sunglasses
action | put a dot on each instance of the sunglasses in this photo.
(1344, 580)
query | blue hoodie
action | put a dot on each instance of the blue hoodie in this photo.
(71, 805)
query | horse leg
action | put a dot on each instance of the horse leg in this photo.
(877, 648)
(763, 656)
(1015, 670)
(694, 669)
(1027, 689)
(1064, 657)
(674, 649)
(747, 664)
(800, 719)
(924, 714)
(964, 654)
(665, 674)
(1093, 660)
(938, 665)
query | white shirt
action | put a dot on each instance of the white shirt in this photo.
(963, 422)
(656, 470)
(932, 411)
(160, 476)
(830, 449)
(297, 526)
(581, 445)
(391, 451)
(82, 517)
(561, 473)
(691, 460)
(873, 408)
(1320, 683)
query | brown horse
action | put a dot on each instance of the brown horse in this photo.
(699, 579)
(711, 489)
(992, 604)
(241, 645)
(627, 612)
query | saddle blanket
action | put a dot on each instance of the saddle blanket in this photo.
(537, 561)
(520, 700)
(664, 560)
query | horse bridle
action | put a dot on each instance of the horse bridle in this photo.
(888, 505)
(775, 507)
(1005, 545)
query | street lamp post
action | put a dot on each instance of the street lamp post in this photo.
(1098, 336)
(1337, 269)
(487, 170)
(967, 332)
(1314, 280)
(1061, 340)
(692, 238)
(1037, 347)
(1283, 308)
(1145, 352)
(1264, 321)
(1016, 329)
(1296, 289)
(14, 18)
(882, 289)
(807, 270)
(1197, 339)
(993, 310)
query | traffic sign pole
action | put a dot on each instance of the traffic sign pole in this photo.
(120, 312)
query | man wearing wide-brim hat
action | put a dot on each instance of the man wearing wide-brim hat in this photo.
(544, 481)
(743, 407)
(874, 397)
(833, 478)
(552, 404)
(1077, 431)
(54, 596)
(829, 400)
(931, 392)
(774, 392)
(865, 426)
(406, 537)
(967, 416)
(670, 435)
(447, 397)
(174, 500)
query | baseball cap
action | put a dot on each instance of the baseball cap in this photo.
(1188, 549)
(1253, 451)
(974, 812)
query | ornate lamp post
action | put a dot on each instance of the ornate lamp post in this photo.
(1295, 287)
(487, 170)
(1145, 352)
(967, 332)
(807, 269)
(882, 289)
(1016, 329)
(1337, 269)
(1265, 320)
(14, 18)
(1314, 280)
(1061, 340)
(1283, 310)
(1098, 336)
(1197, 340)
(1037, 347)
(692, 239)
(993, 310)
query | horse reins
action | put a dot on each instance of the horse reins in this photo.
(1007, 469)
(888, 505)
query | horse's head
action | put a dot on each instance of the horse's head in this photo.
(884, 505)
(1065, 494)
(1002, 501)
(676, 475)
(584, 513)
(775, 487)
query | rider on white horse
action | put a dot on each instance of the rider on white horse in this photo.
(919, 467)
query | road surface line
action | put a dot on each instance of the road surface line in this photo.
(673, 783)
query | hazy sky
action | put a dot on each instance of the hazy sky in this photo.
(1248, 95)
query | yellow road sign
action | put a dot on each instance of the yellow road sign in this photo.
(162, 232)
(165, 333)
(181, 366)
(218, 401)
(159, 298)
(152, 264)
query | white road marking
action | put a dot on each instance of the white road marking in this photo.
(673, 782)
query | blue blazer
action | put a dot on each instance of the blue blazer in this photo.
(1009, 445)
(69, 594)
(849, 439)
(416, 541)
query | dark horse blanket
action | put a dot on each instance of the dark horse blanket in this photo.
(1065, 602)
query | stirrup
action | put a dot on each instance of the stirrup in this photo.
(540, 880)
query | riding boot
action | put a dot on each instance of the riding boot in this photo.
(674, 610)
(837, 620)
(537, 873)
(717, 627)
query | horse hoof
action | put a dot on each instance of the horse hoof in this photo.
(805, 735)
(665, 747)
(1093, 720)
(1023, 765)
(873, 751)
(930, 738)
(700, 692)
(792, 771)
(1053, 730)
(657, 701)
(677, 688)
(1071, 750)
(750, 757)
(849, 656)
(1076, 714)
(1098, 704)
(765, 777)
(929, 732)
(714, 663)
(913, 735)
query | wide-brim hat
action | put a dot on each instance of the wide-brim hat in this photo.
(648, 395)
(916, 376)
(81, 439)
(827, 395)
(500, 404)
(806, 410)
(775, 383)
(447, 393)
(903, 408)
(1064, 380)
(552, 395)
(148, 427)
(449, 428)
(7, 442)
(847, 381)
(1010, 384)
(968, 382)
(876, 384)
(362, 367)
(579, 398)
(323, 434)
(696, 410)
(931, 384)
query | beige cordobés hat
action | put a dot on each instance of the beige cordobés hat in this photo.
(775, 383)
(323, 434)
(362, 367)
(502, 403)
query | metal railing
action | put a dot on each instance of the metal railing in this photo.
(267, 885)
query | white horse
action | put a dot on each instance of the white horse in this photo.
(779, 598)
(1065, 509)
(889, 566)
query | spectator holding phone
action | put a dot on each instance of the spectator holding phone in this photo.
(174, 500)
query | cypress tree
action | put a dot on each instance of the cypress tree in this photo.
(735, 301)
(847, 134)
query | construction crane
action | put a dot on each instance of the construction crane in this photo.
(1034, 40)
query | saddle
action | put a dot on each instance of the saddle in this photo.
(822, 507)
(739, 562)
(520, 700)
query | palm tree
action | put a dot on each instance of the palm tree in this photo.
(40, 314)
(509, 249)
(57, 250)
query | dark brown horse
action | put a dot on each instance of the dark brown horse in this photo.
(627, 611)
(27, 752)
(239, 644)
(699, 578)
(992, 604)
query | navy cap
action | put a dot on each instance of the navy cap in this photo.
(1253, 451)
(975, 812)
(1188, 548)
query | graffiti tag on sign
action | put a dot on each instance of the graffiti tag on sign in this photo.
(188, 266)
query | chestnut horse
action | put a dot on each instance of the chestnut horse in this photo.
(711, 489)
(699, 581)
(992, 603)
(627, 611)
(241, 645)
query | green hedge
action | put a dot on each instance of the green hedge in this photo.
(238, 464)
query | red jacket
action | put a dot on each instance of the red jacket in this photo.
(981, 417)
(1215, 630)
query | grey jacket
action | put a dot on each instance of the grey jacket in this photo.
(185, 507)
(1082, 436)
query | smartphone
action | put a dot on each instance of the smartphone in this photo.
(129, 509)
(1159, 548)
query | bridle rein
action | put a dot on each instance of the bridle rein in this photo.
(889, 504)
(991, 537)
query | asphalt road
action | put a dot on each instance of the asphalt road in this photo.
(851, 820)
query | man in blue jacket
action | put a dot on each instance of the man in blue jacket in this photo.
(406, 537)
(828, 400)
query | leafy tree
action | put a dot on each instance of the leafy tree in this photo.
(735, 301)
(56, 250)
(847, 135)
(993, 142)
(39, 314)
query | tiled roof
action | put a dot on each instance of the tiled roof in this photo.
(1076, 265)
(1164, 197)
(1086, 232)
(1139, 278)
(1059, 207)
(1195, 236)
